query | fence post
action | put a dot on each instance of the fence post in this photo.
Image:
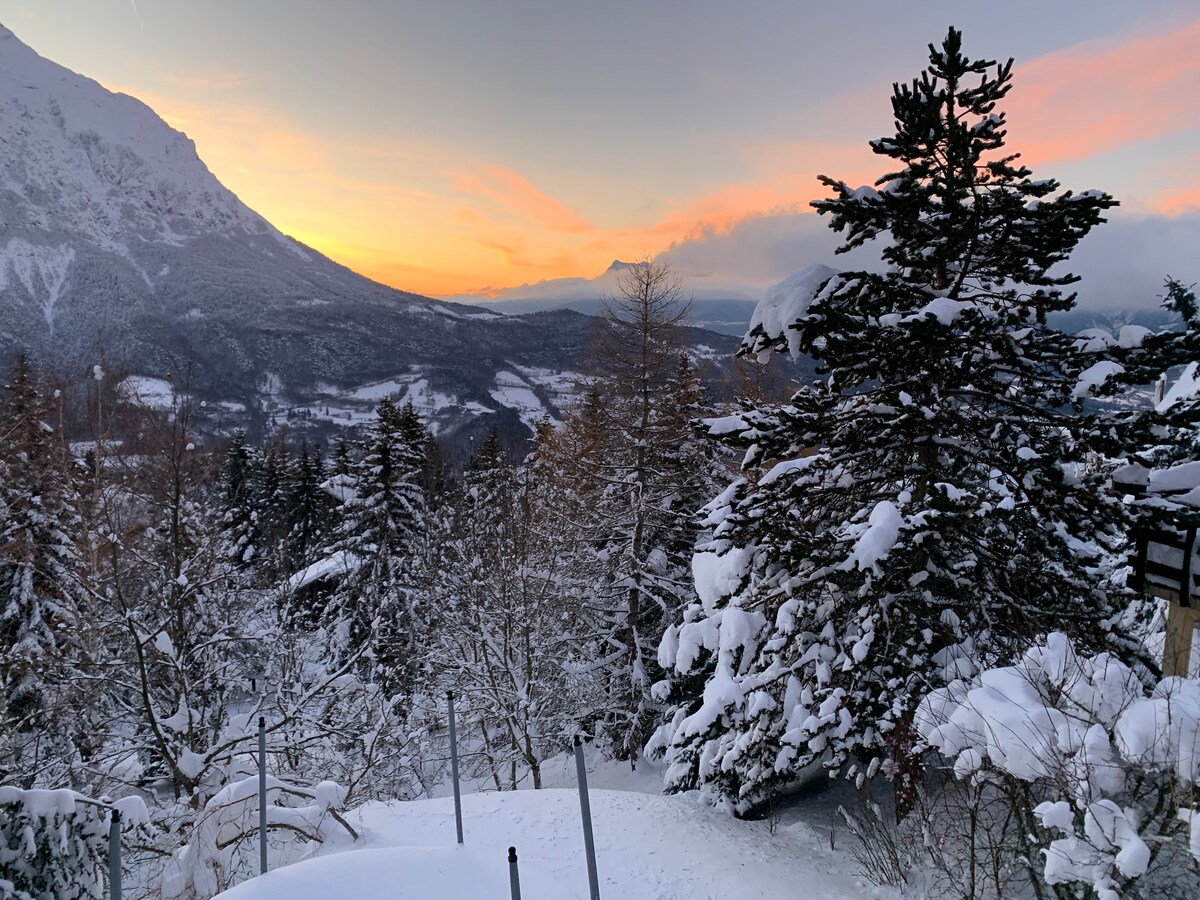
(262, 795)
(454, 767)
(585, 809)
(514, 877)
(114, 856)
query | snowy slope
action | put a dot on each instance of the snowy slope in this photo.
(74, 152)
(647, 846)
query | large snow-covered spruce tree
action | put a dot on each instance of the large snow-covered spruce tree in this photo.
(916, 514)
(373, 609)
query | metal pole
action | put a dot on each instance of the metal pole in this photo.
(262, 795)
(114, 856)
(514, 877)
(454, 767)
(585, 809)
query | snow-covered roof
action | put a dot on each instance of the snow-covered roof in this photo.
(335, 565)
(340, 488)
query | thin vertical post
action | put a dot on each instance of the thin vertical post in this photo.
(514, 877)
(114, 856)
(454, 767)
(585, 809)
(262, 795)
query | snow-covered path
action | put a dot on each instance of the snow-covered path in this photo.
(647, 846)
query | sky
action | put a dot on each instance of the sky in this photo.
(484, 148)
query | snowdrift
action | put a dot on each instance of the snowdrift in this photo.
(648, 848)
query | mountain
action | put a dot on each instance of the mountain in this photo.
(728, 317)
(711, 310)
(118, 244)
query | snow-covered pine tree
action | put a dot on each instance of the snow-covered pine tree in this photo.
(310, 509)
(271, 500)
(39, 588)
(342, 463)
(373, 608)
(914, 515)
(1168, 432)
(239, 525)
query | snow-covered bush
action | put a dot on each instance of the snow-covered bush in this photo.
(1104, 771)
(206, 864)
(54, 844)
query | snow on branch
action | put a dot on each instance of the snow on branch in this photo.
(202, 867)
(1112, 758)
(781, 306)
(53, 843)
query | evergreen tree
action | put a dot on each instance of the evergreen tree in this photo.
(39, 565)
(310, 510)
(240, 527)
(342, 462)
(382, 525)
(1168, 433)
(914, 515)
(272, 504)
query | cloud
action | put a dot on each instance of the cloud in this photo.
(1101, 95)
(514, 193)
(432, 217)
(737, 262)
(787, 183)
(1122, 263)
(1174, 203)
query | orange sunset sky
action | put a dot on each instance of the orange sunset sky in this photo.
(474, 147)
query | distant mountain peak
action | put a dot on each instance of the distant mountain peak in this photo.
(620, 266)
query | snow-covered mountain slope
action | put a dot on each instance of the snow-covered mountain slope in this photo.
(648, 847)
(116, 242)
(76, 153)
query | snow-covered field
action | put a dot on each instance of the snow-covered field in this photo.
(647, 846)
(514, 392)
(153, 393)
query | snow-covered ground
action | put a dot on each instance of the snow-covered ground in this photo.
(648, 847)
(515, 392)
(154, 393)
